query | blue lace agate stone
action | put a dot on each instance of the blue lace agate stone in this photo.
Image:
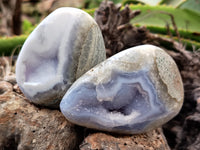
(65, 45)
(132, 92)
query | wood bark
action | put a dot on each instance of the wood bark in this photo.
(115, 25)
(11, 17)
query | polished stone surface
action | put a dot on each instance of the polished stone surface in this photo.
(66, 44)
(134, 91)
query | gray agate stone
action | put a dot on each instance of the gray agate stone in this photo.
(132, 92)
(65, 45)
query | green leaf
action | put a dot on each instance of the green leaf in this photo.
(27, 27)
(190, 45)
(152, 16)
(192, 5)
(174, 3)
(150, 2)
(10, 44)
(183, 34)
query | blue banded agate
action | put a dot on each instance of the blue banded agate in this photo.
(65, 45)
(126, 93)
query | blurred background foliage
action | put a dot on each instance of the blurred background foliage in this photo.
(155, 16)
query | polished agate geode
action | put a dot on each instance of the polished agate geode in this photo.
(134, 91)
(66, 44)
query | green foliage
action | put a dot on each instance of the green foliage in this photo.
(8, 45)
(88, 4)
(90, 11)
(150, 2)
(91, 3)
(174, 3)
(187, 23)
(152, 16)
(124, 2)
(192, 5)
(27, 27)
(190, 45)
(184, 34)
(117, 1)
(189, 37)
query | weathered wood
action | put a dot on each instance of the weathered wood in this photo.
(115, 25)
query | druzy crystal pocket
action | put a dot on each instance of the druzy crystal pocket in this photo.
(66, 44)
(134, 91)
